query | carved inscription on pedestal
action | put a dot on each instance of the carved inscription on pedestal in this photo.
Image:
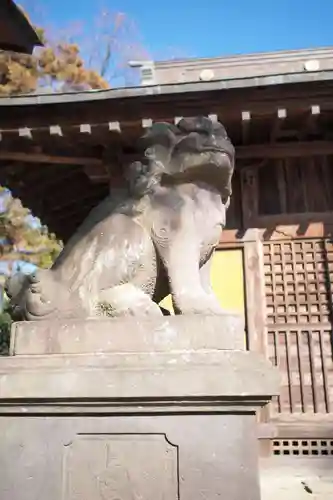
(121, 467)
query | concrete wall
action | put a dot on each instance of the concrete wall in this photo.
(242, 66)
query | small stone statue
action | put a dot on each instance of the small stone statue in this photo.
(153, 238)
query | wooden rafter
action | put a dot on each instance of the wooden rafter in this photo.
(285, 150)
(280, 118)
(311, 122)
(246, 120)
(44, 158)
(277, 150)
(94, 168)
(85, 198)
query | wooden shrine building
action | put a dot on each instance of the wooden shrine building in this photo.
(60, 153)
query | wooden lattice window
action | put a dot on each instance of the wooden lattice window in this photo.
(298, 281)
(303, 447)
(298, 284)
(304, 358)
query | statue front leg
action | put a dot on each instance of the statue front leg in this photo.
(189, 296)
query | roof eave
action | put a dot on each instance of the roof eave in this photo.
(168, 89)
(28, 36)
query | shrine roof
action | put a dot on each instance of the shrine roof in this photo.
(16, 32)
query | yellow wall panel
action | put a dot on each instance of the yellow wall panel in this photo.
(227, 280)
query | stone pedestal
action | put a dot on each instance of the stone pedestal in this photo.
(131, 409)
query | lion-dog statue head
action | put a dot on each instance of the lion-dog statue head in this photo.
(195, 149)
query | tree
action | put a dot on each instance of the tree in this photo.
(22, 240)
(59, 65)
(22, 237)
(20, 73)
(5, 324)
(56, 66)
(115, 41)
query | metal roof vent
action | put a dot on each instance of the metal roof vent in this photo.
(312, 65)
(147, 71)
(148, 74)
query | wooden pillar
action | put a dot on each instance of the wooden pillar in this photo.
(256, 321)
(249, 192)
(255, 291)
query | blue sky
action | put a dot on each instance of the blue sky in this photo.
(200, 28)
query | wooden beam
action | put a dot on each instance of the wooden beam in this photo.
(97, 173)
(255, 294)
(282, 185)
(295, 229)
(254, 151)
(281, 116)
(246, 119)
(43, 158)
(310, 124)
(285, 150)
(249, 196)
(312, 120)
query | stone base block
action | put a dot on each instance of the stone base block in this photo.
(151, 456)
(120, 335)
(173, 418)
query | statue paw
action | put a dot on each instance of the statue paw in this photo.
(40, 298)
(197, 303)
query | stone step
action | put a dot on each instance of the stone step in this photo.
(286, 478)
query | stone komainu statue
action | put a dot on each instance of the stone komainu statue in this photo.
(154, 238)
